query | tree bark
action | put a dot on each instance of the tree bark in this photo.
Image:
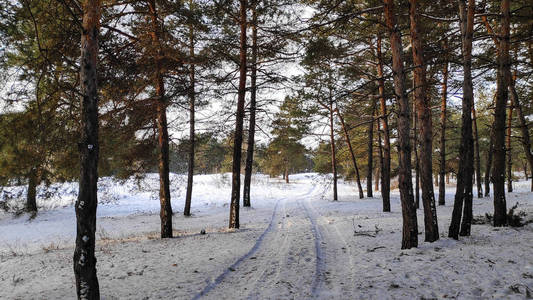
(415, 150)
(84, 260)
(352, 155)
(443, 111)
(162, 126)
(508, 148)
(370, 155)
(463, 195)
(385, 165)
(477, 159)
(333, 154)
(488, 162)
(31, 196)
(192, 100)
(410, 227)
(251, 126)
(423, 107)
(503, 77)
(239, 119)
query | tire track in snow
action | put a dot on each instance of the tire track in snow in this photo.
(337, 241)
(252, 251)
(320, 264)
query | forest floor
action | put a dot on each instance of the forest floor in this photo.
(294, 243)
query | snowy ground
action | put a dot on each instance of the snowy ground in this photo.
(293, 244)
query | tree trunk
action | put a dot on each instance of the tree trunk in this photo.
(333, 154)
(443, 111)
(509, 165)
(192, 100)
(423, 107)
(410, 227)
(477, 159)
(370, 155)
(503, 77)
(463, 195)
(31, 196)
(162, 127)
(251, 126)
(385, 165)
(415, 150)
(377, 175)
(239, 119)
(286, 175)
(84, 259)
(376, 181)
(488, 162)
(352, 155)
(525, 140)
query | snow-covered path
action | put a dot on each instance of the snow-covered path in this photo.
(293, 244)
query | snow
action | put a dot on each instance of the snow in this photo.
(293, 244)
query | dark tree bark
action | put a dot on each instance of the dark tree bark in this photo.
(239, 120)
(251, 126)
(370, 155)
(162, 126)
(410, 227)
(84, 259)
(377, 174)
(385, 165)
(31, 196)
(509, 165)
(463, 193)
(352, 155)
(333, 151)
(443, 111)
(488, 162)
(423, 108)
(503, 77)
(192, 100)
(415, 150)
(477, 159)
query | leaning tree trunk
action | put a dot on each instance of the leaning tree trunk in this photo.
(251, 126)
(192, 100)
(503, 77)
(84, 259)
(477, 159)
(423, 108)
(410, 227)
(162, 126)
(509, 165)
(370, 154)
(443, 111)
(463, 195)
(352, 155)
(31, 195)
(239, 119)
(333, 154)
(385, 166)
